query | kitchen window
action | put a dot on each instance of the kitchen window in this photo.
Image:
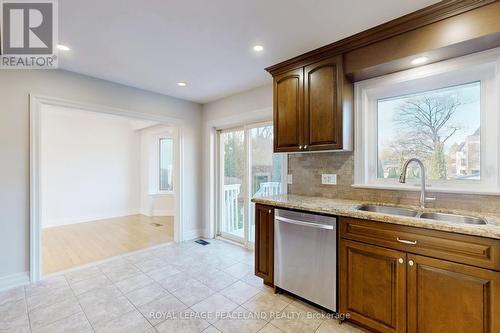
(445, 114)
(166, 153)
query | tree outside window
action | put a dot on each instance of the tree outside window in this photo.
(441, 127)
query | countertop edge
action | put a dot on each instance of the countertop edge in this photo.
(350, 211)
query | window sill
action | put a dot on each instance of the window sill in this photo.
(416, 188)
(162, 194)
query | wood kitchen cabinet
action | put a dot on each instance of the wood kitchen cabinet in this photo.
(311, 108)
(398, 279)
(373, 285)
(264, 243)
(323, 91)
(288, 111)
(448, 297)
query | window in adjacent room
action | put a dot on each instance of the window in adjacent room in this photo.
(166, 165)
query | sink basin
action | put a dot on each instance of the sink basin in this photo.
(388, 210)
(453, 218)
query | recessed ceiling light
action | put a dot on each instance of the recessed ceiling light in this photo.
(181, 84)
(419, 60)
(63, 47)
(258, 48)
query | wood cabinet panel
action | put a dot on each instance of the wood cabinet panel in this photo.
(450, 297)
(288, 111)
(264, 243)
(323, 105)
(373, 286)
(471, 250)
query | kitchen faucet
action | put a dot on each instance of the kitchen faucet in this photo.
(402, 180)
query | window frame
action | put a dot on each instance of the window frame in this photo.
(482, 67)
(158, 173)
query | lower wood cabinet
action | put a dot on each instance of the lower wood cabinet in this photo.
(373, 285)
(450, 297)
(394, 290)
(264, 243)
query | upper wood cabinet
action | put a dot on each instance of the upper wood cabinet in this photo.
(312, 108)
(288, 111)
(323, 105)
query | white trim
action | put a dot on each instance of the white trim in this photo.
(192, 234)
(35, 107)
(484, 67)
(91, 218)
(163, 212)
(162, 194)
(14, 280)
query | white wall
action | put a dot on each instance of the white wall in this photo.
(240, 105)
(15, 87)
(248, 107)
(89, 166)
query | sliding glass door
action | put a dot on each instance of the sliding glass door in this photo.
(247, 167)
(232, 146)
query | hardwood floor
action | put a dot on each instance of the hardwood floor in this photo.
(74, 245)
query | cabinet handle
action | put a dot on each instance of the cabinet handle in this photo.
(300, 147)
(401, 260)
(269, 211)
(411, 262)
(404, 241)
(305, 147)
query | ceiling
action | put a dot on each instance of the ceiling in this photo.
(154, 44)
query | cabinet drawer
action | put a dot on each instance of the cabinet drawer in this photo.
(470, 250)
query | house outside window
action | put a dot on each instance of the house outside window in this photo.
(445, 114)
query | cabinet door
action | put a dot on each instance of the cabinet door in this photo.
(264, 243)
(323, 83)
(288, 111)
(449, 297)
(373, 286)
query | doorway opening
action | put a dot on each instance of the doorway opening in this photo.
(105, 183)
(247, 167)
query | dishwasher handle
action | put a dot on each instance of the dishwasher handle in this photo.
(305, 224)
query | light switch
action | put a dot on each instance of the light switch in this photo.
(329, 179)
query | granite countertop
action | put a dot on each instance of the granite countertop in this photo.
(348, 208)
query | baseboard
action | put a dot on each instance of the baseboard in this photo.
(89, 218)
(163, 212)
(192, 234)
(14, 280)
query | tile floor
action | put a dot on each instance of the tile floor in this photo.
(182, 287)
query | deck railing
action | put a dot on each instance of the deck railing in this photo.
(231, 207)
(269, 188)
(233, 216)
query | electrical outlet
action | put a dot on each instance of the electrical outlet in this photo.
(329, 179)
(289, 179)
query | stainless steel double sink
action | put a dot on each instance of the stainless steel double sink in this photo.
(453, 218)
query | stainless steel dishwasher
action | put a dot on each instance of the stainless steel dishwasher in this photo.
(305, 256)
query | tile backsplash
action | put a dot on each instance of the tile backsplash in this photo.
(307, 169)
